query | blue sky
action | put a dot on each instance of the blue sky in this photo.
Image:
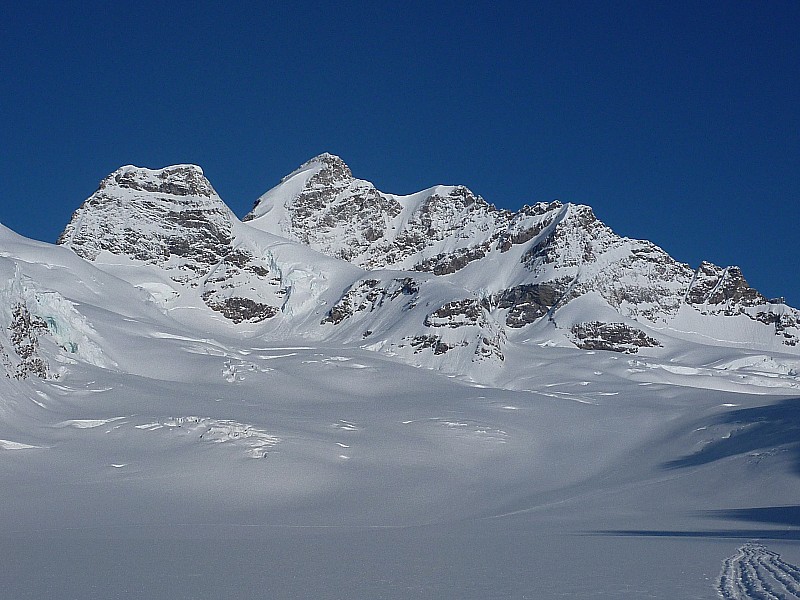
(678, 122)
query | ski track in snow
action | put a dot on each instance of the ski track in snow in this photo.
(39, 403)
(755, 573)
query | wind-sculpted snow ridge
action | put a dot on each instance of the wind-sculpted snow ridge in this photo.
(755, 573)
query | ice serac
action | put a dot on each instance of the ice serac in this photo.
(40, 330)
(549, 269)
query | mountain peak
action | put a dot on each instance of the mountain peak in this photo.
(440, 278)
(325, 171)
(176, 180)
(329, 160)
(330, 164)
(161, 216)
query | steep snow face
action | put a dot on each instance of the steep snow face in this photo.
(526, 266)
(170, 217)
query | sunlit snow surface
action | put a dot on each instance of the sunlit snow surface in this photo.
(307, 472)
(167, 460)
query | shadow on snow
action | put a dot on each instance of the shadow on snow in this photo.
(763, 429)
(744, 534)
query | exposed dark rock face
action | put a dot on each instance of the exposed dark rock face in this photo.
(446, 214)
(337, 214)
(570, 243)
(465, 317)
(457, 313)
(5, 360)
(240, 309)
(617, 337)
(370, 294)
(240, 287)
(722, 290)
(488, 348)
(527, 303)
(430, 342)
(180, 180)
(24, 332)
(464, 324)
(172, 218)
(520, 229)
(446, 263)
(783, 320)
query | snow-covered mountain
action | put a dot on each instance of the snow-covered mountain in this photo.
(588, 404)
(545, 266)
(440, 278)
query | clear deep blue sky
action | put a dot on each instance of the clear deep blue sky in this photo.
(679, 122)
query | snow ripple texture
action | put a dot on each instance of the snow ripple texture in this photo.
(757, 573)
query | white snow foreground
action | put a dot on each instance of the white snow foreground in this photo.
(165, 434)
